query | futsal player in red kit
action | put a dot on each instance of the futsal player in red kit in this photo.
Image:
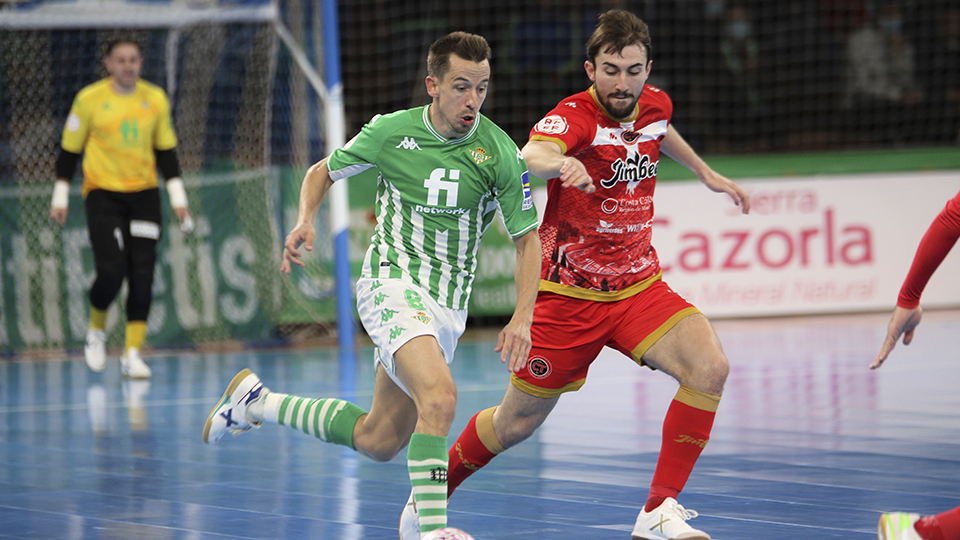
(936, 243)
(600, 277)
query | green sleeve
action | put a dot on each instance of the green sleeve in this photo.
(360, 153)
(513, 190)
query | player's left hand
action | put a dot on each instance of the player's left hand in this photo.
(513, 344)
(721, 184)
(903, 322)
(185, 218)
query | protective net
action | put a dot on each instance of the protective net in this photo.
(747, 75)
(247, 126)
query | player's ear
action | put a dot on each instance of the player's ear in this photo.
(432, 86)
(591, 70)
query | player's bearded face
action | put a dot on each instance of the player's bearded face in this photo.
(458, 95)
(619, 78)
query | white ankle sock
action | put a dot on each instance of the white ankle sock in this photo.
(269, 408)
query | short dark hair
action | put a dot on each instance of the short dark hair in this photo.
(616, 30)
(122, 41)
(467, 46)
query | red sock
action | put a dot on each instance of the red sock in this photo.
(945, 526)
(686, 430)
(474, 448)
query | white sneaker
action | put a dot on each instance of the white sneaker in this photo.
(132, 365)
(410, 521)
(898, 526)
(230, 414)
(95, 351)
(667, 522)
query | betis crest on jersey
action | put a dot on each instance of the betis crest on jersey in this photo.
(479, 155)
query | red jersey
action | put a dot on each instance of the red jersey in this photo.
(597, 246)
(936, 243)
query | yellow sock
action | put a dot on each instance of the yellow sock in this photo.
(136, 333)
(98, 318)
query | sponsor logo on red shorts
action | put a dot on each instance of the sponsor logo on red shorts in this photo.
(539, 367)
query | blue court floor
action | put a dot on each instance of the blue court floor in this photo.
(808, 444)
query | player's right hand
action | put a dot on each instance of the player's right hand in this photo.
(58, 214)
(903, 322)
(574, 174)
(302, 234)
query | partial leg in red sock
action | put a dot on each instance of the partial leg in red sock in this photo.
(686, 430)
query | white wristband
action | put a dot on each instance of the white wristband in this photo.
(61, 194)
(178, 195)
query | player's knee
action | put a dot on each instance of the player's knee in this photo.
(439, 407)
(111, 273)
(719, 369)
(107, 284)
(711, 374)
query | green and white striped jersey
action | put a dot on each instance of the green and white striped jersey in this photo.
(436, 197)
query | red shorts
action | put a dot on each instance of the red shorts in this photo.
(568, 334)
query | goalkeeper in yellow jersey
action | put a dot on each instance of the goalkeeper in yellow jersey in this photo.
(123, 128)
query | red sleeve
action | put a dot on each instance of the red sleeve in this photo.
(936, 243)
(568, 125)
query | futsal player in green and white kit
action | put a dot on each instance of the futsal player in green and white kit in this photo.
(444, 173)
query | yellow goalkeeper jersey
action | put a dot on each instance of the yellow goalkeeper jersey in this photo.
(117, 135)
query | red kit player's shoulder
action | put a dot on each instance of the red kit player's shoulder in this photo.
(570, 124)
(580, 103)
(657, 98)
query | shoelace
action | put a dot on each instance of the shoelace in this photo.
(684, 513)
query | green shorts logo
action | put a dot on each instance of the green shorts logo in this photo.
(414, 300)
(387, 314)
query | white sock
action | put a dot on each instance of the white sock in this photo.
(269, 408)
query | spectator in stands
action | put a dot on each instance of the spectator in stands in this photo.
(882, 93)
(799, 70)
(740, 102)
(939, 73)
(689, 30)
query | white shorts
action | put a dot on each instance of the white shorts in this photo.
(394, 311)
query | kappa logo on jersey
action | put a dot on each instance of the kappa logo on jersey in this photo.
(633, 170)
(408, 143)
(527, 194)
(479, 155)
(553, 125)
